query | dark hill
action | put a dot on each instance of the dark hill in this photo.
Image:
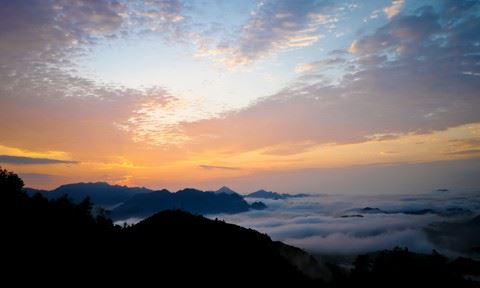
(100, 193)
(138, 202)
(263, 194)
(191, 200)
(58, 241)
(461, 236)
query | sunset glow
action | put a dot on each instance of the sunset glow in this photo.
(172, 94)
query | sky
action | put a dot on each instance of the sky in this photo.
(355, 97)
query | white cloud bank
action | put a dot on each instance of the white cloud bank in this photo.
(316, 224)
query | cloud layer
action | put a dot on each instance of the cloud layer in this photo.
(316, 223)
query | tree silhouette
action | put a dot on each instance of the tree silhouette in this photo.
(52, 240)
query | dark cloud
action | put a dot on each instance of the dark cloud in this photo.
(20, 160)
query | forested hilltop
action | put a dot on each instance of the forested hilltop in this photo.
(57, 240)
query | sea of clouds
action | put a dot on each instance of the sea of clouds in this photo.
(329, 224)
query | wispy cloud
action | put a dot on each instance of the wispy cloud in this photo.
(273, 26)
(21, 160)
(407, 49)
(394, 9)
(465, 152)
(213, 167)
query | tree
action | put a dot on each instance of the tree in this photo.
(10, 182)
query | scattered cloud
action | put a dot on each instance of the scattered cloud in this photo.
(372, 98)
(327, 63)
(41, 40)
(392, 10)
(273, 26)
(73, 121)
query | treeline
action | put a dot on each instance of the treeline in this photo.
(59, 242)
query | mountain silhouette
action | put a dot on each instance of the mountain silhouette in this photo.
(273, 195)
(191, 200)
(461, 236)
(57, 241)
(447, 212)
(225, 190)
(138, 202)
(50, 240)
(100, 193)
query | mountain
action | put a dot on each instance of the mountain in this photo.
(460, 235)
(225, 190)
(59, 240)
(273, 195)
(370, 210)
(447, 212)
(101, 193)
(127, 202)
(401, 268)
(257, 205)
(191, 200)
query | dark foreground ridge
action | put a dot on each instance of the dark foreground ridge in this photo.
(58, 241)
(58, 238)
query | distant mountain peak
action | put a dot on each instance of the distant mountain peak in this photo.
(101, 193)
(262, 193)
(225, 190)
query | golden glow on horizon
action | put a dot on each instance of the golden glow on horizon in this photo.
(140, 166)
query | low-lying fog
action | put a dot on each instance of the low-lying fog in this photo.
(340, 225)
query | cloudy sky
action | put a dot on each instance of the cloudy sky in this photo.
(294, 96)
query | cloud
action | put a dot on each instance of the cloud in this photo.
(42, 32)
(327, 63)
(394, 9)
(43, 98)
(465, 152)
(415, 240)
(33, 116)
(21, 160)
(41, 36)
(408, 76)
(213, 167)
(314, 223)
(273, 26)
